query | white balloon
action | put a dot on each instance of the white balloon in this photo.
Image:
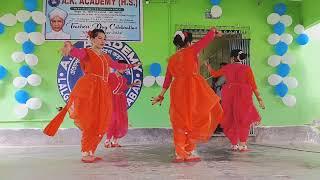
(160, 80)
(38, 17)
(20, 82)
(273, 39)
(286, 20)
(289, 100)
(21, 110)
(298, 29)
(34, 103)
(18, 57)
(216, 11)
(273, 18)
(274, 79)
(21, 37)
(31, 59)
(291, 82)
(34, 80)
(274, 60)
(23, 15)
(37, 38)
(286, 38)
(148, 81)
(8, 19)
(288, 59)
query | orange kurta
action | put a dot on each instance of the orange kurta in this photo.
(195, 110)
(90, 102)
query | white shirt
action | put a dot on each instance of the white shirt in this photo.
(58, 35)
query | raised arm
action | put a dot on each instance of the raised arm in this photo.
(205, 41)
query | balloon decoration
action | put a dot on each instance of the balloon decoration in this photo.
(28, 39)
(22, 96)
(302, 39)
(34, 103)
(274, 79)
(1, 28)
(281, 48)
(286, 20)
(286, 38)
(289, 100)
(28, 47)
(30, 5)
(30, 26)
(34, 80)
(31, 59)
(23, 16)
(273, 18)
(299, 29)
(274, 60)
(155, 71)
(280, 8)
(216, 10)
(282, 60)
(8, 19)
(20, 82)
(148, 81)
(281, 89)
(279, 28)
(3, 72)
(288, 59)
(21, 111)
(21, 37)
(291, 82)
(283, 70)
(25, 71)
(273, 38)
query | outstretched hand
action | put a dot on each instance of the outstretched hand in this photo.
(157, 99)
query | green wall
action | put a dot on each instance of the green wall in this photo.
(310, 12)
(160, 22)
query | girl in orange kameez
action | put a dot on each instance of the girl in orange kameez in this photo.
(239, 110)
(195, 110)
(90, 102)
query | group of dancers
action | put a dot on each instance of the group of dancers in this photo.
(97, 104)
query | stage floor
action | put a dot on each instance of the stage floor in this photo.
(154, 162)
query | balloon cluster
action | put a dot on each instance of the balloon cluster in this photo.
(216, 10)
(281, 60)
(28, 39)
(155, 71)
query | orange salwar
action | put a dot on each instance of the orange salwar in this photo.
(195, 110)
(90, 102)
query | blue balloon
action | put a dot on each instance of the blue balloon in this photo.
(279, 28)
(302, 39)
(281, 89)
(25, 71)
(280, 8)
(215, 2)
(283, 70)
(3, 72)
(1, 28)
(155, 69)
(28, 47)
(30, 5)
(22, 96)
(30, 26)
(281, 48)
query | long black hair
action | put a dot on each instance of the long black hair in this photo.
(180, 41)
